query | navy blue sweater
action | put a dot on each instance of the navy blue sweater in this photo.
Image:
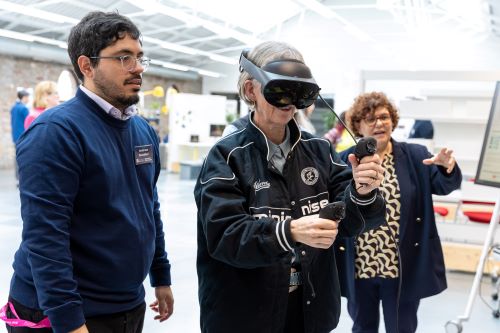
(91, 220)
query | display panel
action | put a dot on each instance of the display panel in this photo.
(488, 170)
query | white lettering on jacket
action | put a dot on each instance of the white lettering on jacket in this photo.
(313, 207)
(277, 217)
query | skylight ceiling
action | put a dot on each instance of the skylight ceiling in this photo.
(190, 35)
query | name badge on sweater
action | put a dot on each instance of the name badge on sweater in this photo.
(143, 154)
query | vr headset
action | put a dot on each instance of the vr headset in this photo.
(284, 82)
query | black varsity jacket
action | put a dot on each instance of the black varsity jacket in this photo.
(244, 241)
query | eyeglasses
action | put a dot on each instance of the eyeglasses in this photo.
(371, 121)
(129, 63)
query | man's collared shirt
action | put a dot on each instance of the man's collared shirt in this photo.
(128, 113)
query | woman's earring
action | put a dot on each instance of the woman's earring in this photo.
(252, 105)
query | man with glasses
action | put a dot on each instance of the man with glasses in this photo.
(88, 171)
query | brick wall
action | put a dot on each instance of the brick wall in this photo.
(16, 72)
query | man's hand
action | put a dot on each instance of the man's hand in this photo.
(164, 304)
(314, 231)
(444, 159)
(367, 173)
(81, 329)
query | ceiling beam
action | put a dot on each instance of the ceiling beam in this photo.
(42, 14)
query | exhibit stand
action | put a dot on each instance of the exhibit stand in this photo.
(195, 124)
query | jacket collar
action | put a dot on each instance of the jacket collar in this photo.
(261, 140)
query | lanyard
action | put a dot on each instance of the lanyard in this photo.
(18, 322)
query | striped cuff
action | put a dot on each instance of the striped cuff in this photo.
(283, 234)
(363, 202)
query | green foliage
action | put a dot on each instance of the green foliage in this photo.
(155, 105)
(329, 120)
(230, 117)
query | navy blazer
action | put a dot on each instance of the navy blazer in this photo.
(421, 261)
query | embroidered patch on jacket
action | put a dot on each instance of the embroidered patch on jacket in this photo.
(309, 175)
(258, 185)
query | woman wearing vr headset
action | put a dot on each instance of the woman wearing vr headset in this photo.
(374, 270)
(265, 261)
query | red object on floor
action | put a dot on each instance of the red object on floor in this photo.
(481, 217)
(443, 211)
(474, 202)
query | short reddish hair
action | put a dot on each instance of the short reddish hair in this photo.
(366, 104)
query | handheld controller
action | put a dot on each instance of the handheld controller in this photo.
(333, 211)
(365, 147)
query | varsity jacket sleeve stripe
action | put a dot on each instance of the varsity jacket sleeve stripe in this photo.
(281, 234)
(363, 202)
(232, 235)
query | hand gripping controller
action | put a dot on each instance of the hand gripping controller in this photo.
(365, 147)
(333, 211)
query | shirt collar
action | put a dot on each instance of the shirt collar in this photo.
(285, 145)
(128, 113)
(293, 137)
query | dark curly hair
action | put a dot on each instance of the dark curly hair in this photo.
(96, 31)
(366, 104)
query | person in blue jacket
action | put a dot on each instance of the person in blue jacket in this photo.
(422, 129)
(88, 169)
(18, 114)
(400, 262)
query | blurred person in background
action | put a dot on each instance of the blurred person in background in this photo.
(18, 114)
(46, 97)
(400, 262)
(422, 129)
(340, 137)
